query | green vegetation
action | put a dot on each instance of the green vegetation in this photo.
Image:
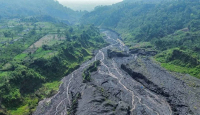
(38, 57)
(91, 68)
(38, 47)
(47, 10)
(170, 27)
(73, 108)
(179, 61)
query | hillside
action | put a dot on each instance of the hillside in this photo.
(24, 8)
(136, 57)
(34, 58)
(166, 26)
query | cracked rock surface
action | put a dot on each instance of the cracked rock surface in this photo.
(124, 84)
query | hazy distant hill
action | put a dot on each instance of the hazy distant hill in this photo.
(146, 19)
(13, 8)
(167, 25)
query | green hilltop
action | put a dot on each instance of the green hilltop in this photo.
(24, 8)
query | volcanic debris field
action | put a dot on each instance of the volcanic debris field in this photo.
(122, 82)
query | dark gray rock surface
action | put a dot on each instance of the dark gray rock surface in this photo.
(142, 52)
(123, 85)
(112, 53)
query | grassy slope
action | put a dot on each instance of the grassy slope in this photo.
(34, 74)
(181, 62)
(180, 53)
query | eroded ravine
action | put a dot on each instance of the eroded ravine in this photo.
(119, 95)
(120, 78)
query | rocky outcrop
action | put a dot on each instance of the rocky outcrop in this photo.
(143, 52)
(178, 107)
(91, 68)
(97, 100)
(112, 53)
(145, 82)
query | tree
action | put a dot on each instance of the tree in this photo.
(40, 29)
(7, 34)
(71, 30)
(58, 31)
(33, 32)
(12, 35)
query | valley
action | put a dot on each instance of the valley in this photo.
(120, 87)
(134, 57)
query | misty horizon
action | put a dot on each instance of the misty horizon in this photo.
(86, 4)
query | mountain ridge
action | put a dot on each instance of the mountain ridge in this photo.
(24, 8)
(166, 26)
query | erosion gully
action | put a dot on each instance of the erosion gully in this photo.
(113, 90)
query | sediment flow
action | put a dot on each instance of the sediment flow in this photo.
(125, 83)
